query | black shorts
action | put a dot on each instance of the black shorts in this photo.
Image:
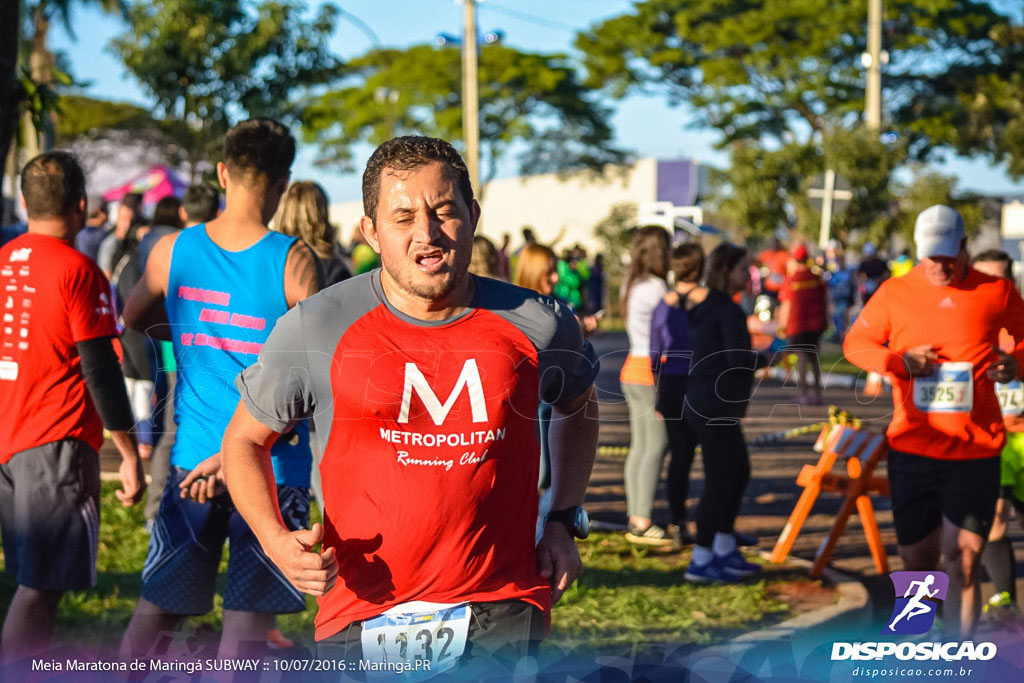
(500, 634)
(924, 490)
(805, 341)
(49, 514)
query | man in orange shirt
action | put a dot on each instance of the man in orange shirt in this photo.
(774, 262)
(935, 332)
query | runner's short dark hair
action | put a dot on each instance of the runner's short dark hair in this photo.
(258, 150)
(166, 212)
(996, 255)
(992, 255)
(52, 184)
(201, 203)
(133, 201)
(408, 153)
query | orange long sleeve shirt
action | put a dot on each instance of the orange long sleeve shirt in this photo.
(962, 324)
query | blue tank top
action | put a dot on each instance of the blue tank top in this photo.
(222, 306)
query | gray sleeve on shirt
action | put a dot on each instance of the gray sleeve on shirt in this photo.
(276, 389)
(291, 379)
(567, 365)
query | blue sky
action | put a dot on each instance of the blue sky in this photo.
(647, 126)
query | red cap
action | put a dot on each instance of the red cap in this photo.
(800, 252)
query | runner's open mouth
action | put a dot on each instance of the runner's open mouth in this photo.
(430, 259)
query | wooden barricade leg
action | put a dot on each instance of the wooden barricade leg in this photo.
(796, 521)
(802, 508)
(874, 536)
(859, 477)
(866, 512)
(829, 544)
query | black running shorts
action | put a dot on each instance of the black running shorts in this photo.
(924, 490)
(49, 515)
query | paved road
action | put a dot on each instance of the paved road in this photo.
(772, 491)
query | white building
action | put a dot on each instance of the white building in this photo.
(563, 209)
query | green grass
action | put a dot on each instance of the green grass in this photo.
(625, 596)
(629, 596)
(835, 362)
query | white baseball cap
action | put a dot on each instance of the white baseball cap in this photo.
(938, 231)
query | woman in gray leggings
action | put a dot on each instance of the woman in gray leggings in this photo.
(642, 290)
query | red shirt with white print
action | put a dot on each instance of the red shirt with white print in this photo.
(51, 297)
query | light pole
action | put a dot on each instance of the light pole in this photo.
(873, 60)
(470, 96)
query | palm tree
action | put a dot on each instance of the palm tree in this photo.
(40, 14)
(10, 21)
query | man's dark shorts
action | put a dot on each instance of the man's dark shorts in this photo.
(186, 546)
(500, 634)
(805, 341)
(924, 490)
(49, 514)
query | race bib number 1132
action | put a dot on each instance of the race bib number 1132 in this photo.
(418, 639)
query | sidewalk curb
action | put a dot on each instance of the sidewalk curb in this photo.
(853, 597)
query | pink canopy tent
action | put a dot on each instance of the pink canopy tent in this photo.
(155, 184)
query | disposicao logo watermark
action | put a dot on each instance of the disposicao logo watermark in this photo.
(914, 612)
(917, 596)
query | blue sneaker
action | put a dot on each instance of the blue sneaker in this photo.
(707, 573)
(745, 539)
(735, 565)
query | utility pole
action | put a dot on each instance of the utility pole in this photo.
(470, 98)
(873, 59)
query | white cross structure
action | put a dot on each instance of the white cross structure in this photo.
(670, 217)
(828, 195)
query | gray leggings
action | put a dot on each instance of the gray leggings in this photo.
(647, 443)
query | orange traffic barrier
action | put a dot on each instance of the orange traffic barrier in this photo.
(862, 450)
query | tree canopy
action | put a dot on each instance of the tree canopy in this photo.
(532, 102)
(781, 82)
(789, 69)
(207, 63)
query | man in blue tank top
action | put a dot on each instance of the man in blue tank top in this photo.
(222, 284)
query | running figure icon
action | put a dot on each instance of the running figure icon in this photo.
(916, 606)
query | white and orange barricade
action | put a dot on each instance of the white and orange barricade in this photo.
(861, 450)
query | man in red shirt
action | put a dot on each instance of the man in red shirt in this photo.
(423, 382)
(935, 333)
(60, 383)
(802, 315)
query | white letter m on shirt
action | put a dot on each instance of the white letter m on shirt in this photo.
(469, 378)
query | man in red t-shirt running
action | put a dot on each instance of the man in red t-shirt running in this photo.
(803, 317)
(423, 382)
(60, 383)
(935, 332)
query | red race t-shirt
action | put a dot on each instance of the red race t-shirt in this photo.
(52, 297)
(807, 299)
(429, 433)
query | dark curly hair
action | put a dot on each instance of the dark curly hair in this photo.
(259, 149)
(408, 153)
